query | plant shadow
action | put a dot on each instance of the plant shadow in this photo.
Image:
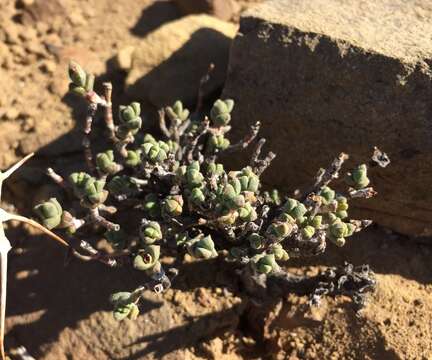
(166, 342)
(46, 297)
(52, 297)
(384, 251)
(40, 283)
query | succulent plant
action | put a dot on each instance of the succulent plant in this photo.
(279, 252)
(147, 258)
(154, 152)
(122, 185)
(308, 232)
(218, 143)
(172, 205)
(327, 194)
(106, 164)
(202, 248)
(197, 196)
(188, 202)
(177, 112)
(89, 189)
(194, 178)
(130, 120)
(150, 232)
(50, 213)
(124, 306)
(358, 178)
(133, 158)
(152, 205)
(256, 241)
(220, 113)
(267, 264)
(81, 82)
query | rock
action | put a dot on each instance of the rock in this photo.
(222, 9)
(123, 59)
(24, 274)
(24, 3)
(89, 12)
(48, 66)
(53, 42)
(216, 349)
(42, 28)
(12, 33)
(28, 34)
(76, 18)
(8, 145)
(11, 113)
(43, 10)
(18, 51)
(168, 63)
(4, 55)
(326, 76)
(36, 48)
(28, 124)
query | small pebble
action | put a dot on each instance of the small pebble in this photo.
(11, 113)
(25, 3)
(28, 34)
(76, 18)
(41, 28)
(48, 66)
(12, 36)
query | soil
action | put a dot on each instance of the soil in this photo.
(60, 311)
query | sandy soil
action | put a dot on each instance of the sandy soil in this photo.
(61, 312)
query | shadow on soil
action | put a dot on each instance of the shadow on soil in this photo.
(164, 343)
(155, 15)
(50, 296)
(167, 72)
(40, 283)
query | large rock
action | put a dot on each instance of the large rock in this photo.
(169, 62)
(326, 76)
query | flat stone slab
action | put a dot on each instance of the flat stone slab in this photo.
(326, 76)
(394, 28)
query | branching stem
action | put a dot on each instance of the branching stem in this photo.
(109, 121)
(91, 111)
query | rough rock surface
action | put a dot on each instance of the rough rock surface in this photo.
(169, 62)
(222, 9)
(326, 76)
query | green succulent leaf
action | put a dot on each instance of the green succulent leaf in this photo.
(50, 213)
